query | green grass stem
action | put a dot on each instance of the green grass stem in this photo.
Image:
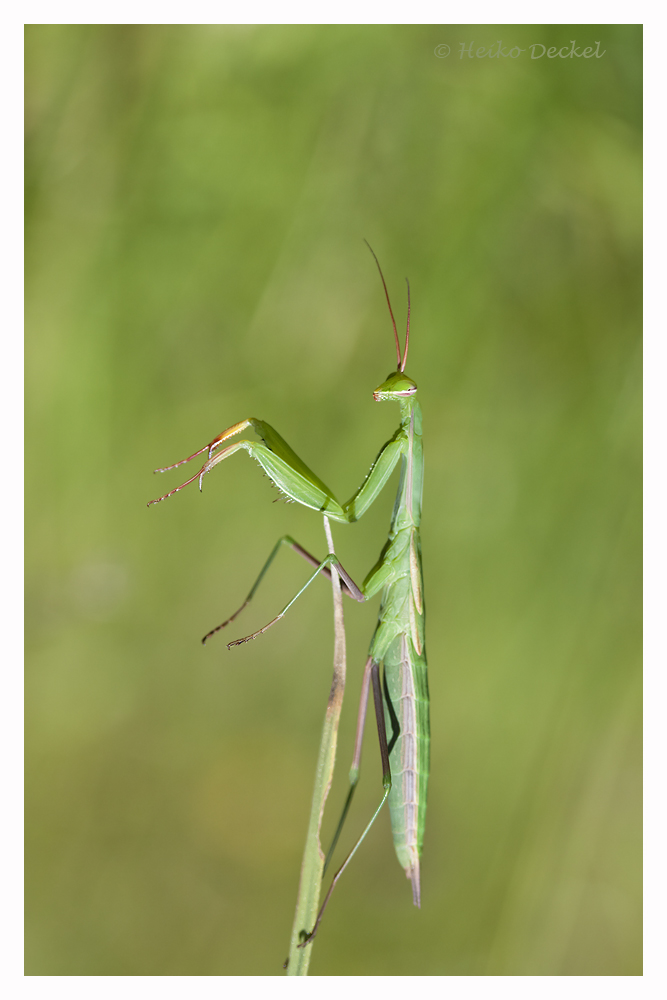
(312, 866)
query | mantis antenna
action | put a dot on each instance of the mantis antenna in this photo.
(400, 363)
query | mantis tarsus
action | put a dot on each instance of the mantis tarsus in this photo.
(401, 695)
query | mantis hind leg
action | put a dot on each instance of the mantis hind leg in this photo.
(371, 671)
(356, 758)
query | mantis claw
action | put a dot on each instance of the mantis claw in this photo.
(171, 492)
(210, 461)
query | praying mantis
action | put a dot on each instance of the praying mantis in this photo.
(400, 695)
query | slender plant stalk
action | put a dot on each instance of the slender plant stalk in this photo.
(312, 866)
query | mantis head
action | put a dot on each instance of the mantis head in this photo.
(397, 385)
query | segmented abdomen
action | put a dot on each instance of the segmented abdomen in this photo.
(407, 720)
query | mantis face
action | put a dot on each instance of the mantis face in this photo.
(396, 386)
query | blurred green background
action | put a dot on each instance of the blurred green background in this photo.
(197, 197)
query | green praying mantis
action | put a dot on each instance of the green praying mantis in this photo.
(400, 694)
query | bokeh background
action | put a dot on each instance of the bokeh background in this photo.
(197, 197)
